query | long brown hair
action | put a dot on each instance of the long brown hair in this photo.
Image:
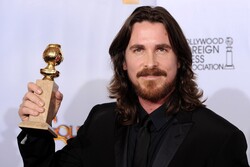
(186, 95)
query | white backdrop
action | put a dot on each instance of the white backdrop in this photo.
(218, 33)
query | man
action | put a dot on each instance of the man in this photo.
(153, 81)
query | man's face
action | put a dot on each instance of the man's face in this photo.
(150, 61)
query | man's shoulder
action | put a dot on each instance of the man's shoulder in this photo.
(206, 118)
(102, 116)
(103, 110)
(104, 107)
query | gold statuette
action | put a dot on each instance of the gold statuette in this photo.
(53, 57)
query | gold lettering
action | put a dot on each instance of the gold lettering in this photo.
(131, 1)
(65, 132)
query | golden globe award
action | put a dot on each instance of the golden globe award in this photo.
(52, 56)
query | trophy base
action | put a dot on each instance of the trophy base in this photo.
(37, 126)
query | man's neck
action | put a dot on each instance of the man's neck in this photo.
(149, 106)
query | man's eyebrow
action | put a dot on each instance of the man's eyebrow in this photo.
(164, 45)
(135, 46)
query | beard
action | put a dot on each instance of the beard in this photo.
(153, 90)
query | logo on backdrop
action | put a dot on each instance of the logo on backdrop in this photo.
(131, 1)
(65, 132)
(212, 53)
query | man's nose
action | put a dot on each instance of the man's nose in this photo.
(150, 61)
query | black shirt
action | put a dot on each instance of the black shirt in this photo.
(158, 128)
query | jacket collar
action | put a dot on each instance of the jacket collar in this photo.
(177, 131)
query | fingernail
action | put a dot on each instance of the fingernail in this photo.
(41, 109)
(39, 91)
(35, 113)
(40, 103)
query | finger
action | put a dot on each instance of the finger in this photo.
(31, 108)
(32, 87)
(28, 108)
(59, 95)
(29, 96)
(24, 112)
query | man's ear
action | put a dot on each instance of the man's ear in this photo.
(124, 66)
(178, 65)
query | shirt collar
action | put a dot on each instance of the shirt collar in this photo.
(159, 117)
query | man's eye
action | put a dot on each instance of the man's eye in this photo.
(137, 50)
(162, 50)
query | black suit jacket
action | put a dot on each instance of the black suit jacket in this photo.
(194, 139)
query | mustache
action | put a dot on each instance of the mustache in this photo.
(151, 72)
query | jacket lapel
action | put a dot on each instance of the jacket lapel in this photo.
(177, 131)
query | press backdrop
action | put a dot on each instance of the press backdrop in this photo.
(218, 33)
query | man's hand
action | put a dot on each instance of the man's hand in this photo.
(33, 105)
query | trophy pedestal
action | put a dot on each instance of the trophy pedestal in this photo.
(37, 126)
(43, 120)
